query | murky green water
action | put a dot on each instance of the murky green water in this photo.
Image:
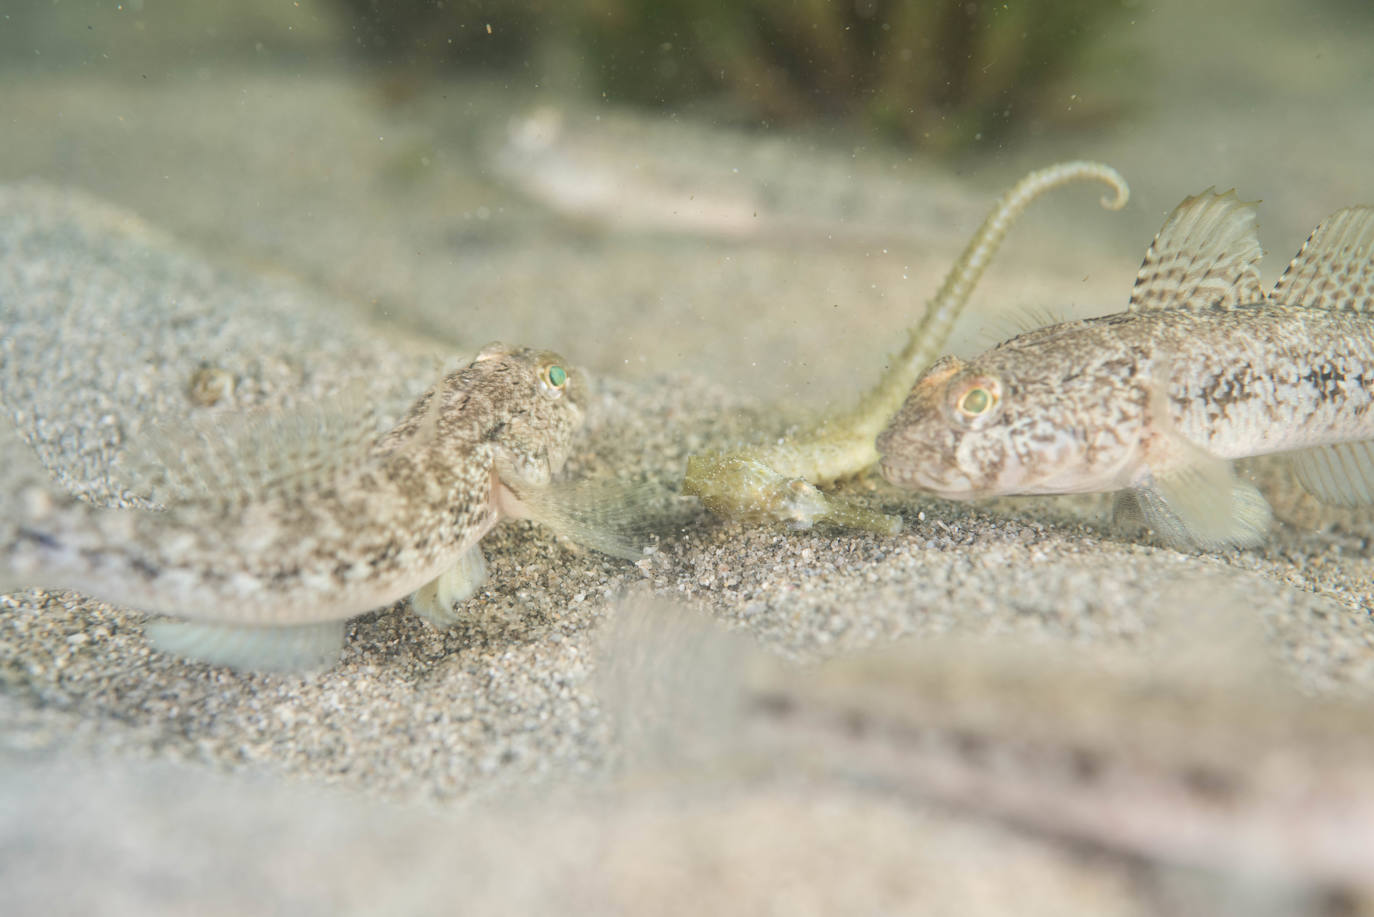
(519, 202)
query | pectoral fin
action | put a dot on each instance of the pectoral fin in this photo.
(1198, 503)
(612, 517)
(1203, 505)
(1341, 474)
(438, 599)
(294, 648)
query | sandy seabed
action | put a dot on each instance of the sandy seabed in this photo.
(476, 769)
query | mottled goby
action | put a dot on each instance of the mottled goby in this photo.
(1198, 754)
(1203, 368)
(1249, 780)
(265, 578)
(779, 481)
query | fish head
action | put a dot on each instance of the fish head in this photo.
(534, 404)
(981, 429)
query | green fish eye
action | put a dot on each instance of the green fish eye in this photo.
(556, 376)
(977, 400)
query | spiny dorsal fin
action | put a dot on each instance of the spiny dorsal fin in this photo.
(1010, 324)
(1334, 269)
(227, 458)
(1205, 256)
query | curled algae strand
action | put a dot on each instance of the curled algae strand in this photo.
(780, 481)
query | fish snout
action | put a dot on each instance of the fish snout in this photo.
(919, 450)
(949, 438)
(925, 476)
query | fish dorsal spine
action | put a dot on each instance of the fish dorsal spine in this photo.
(1334, 269)
(1206, 256)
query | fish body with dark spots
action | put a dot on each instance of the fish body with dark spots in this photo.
(265, 576)
(1205, 367)
(1193, 750)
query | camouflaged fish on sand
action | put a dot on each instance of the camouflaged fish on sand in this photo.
(1192, 749)
(1203, 368)
(266, 577)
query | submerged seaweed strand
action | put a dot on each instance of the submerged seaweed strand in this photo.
(778, 481)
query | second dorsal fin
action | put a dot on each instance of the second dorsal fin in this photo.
(1205, 256)
(1334, 269)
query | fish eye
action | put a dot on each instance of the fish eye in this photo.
(975, 401)
(977, 398)
(553, 379)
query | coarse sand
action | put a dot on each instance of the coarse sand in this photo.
(106, 321)
(302, 243)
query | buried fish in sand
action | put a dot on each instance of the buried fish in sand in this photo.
(1203, 368)
(264, 577)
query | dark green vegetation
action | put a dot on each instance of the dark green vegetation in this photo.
(938, 73)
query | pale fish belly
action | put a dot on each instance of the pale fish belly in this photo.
(1266, 379)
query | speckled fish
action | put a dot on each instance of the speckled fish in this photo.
(1197, 754)
(264, 577)
(1203, 368)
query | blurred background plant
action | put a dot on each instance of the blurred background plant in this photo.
(940, 74)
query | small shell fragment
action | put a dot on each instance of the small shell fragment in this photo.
(210, 385)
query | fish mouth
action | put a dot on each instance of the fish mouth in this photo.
(914, 477)
(947, 491)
